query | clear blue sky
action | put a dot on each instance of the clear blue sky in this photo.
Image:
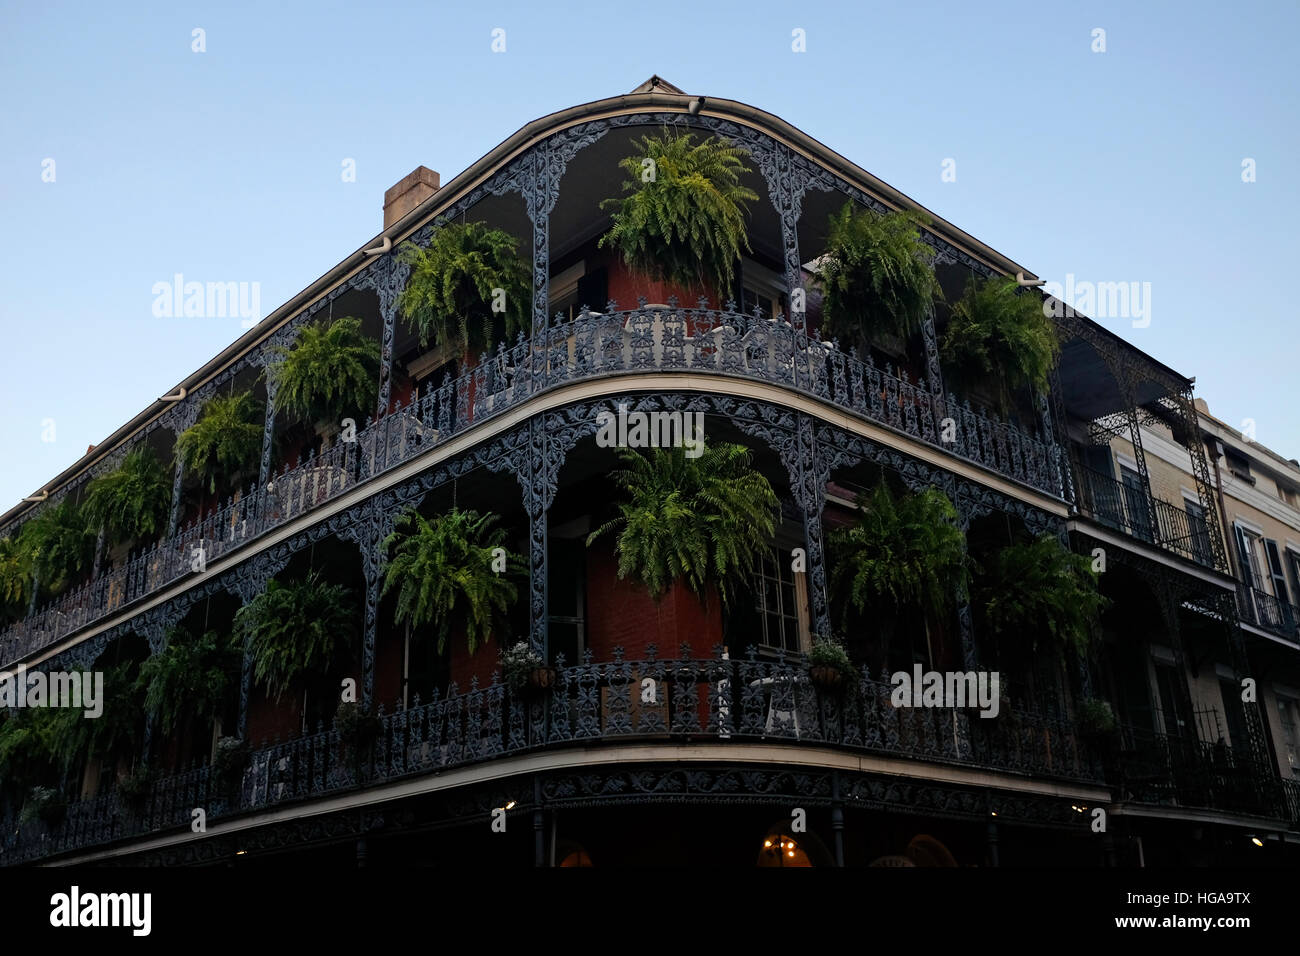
(225, 165)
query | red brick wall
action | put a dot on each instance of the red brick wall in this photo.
(622, 614)
(480, 664)
(390, 657)
(269, 718)
(625, 287)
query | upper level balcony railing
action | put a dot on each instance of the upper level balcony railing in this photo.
(1127, 508)
(1268, 612)
(592, 346)
(715, 701)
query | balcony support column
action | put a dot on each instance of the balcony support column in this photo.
(961, 597)
(372, 522)
(181, 418)
(1139, 456)
(268, 430)
(539, 825)
(837, 817)
(99, 552)
(178, 476)
(809, 473)
(991, 841)
(934, 370)
(389, 280)
(1060, 433)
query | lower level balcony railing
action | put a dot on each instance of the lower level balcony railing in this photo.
(714, 701)
(1268, 612)
(1156, 768)
(593, 345)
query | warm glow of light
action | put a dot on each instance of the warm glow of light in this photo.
(510, 805)
(1257, 841)
(792, 853)
(767, 843)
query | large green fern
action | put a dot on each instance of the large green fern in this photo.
(467, 272)
(225, 441)
(331, 371)
(702, 520)
(15, 579)
(999, 334)
(296, 629)
(27, 749)
(59, 546)
(447, 574)
(877, 275)
(133, 501)
(684, 220)
(118, 730)
(900, 551)
(1027, 592)
(189, 677)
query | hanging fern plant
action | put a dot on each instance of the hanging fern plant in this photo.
(296, 629)
(332, 371)
(15, 579)
(225, 442)
(467, 276)
(901, 551)
(132, 502)
(26, 749)
(684, 220)
(446, 574)
(59, 546)
(118, 729)
(189, 677)
(701, 520)
(877, 275)
(1027, 592)
(998, 334)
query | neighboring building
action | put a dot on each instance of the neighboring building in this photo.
(1259, 496)
(674, 732)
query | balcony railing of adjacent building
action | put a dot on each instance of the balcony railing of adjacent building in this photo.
(1268, 612)
(1291, 794)
(1157, 768)
(593, 345)
(1127, 508)
(715, 701)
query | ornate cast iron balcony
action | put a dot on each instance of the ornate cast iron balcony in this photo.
(1129, 509)
(713, 701)
(1268, 612)
(1160, 769)
(592, 346)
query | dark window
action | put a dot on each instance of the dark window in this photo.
(1136, 504)
(1234, 713)
(593, 290)
(1199, 530)
(1171, 700)
(776, 601)
(566, 581)
(1239, 465)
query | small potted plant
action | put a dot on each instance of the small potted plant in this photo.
(1097, 720)
(829, 667)
(525, 671)
(228, 763)
(133, 789)
(44, 804)
(355, 726)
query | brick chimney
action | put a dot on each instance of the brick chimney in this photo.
(409, 193)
